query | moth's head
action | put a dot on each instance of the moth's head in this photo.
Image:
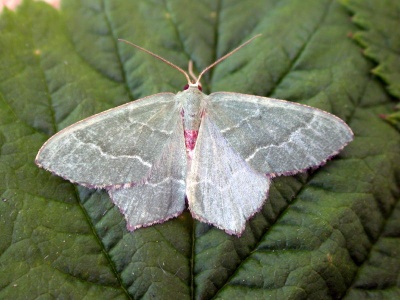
(193, 85)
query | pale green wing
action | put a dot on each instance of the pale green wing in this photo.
(115, 147)
(222, 189)
(276, 136)
(162, 195)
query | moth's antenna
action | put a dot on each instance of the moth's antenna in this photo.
(160, 58)
(225, 56)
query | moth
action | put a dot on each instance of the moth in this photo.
(214, 153)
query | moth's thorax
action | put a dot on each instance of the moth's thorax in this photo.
(192, 103)
(192, 107)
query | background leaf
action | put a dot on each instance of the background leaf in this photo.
(381, 40)
(329, 233)
(380, 37)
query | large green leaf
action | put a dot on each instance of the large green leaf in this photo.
(328, 233)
